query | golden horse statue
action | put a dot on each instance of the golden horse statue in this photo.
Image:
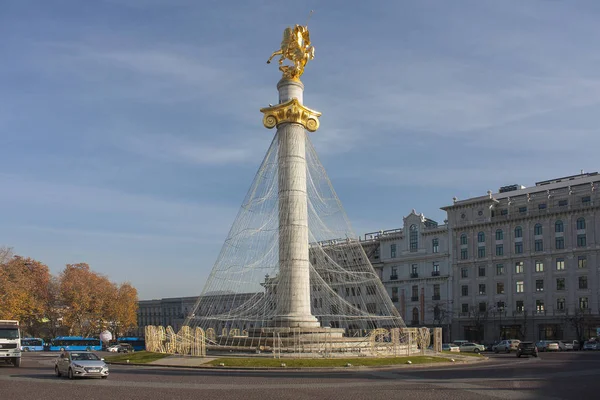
(295, 47)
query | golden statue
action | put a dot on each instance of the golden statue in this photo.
(296, 47)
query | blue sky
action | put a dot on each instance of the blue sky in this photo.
(130, 130)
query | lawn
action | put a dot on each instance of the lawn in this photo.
(323, 362)
(464, 353)
(139, 357)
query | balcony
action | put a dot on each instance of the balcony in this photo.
(414, 298)
(435, 273)
(393, 277)
(435, 297)
(414, 275)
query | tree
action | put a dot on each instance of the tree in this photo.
(122, 315)
(478, 318)
(581, 322)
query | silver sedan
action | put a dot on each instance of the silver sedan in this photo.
(76, 364)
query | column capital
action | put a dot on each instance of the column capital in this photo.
(291, 112)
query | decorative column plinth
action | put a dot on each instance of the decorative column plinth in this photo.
(292, 120)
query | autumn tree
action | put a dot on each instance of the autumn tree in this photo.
(122, 315)
(85, 296)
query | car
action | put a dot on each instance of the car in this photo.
(125, 348)
(527, 349)
(471, 348)
(506, 346)
(568, 346)
(80, 364)
(541, 345)
(450, 347)
(114, 348)
(459, 342)
(591, 345)
(552, 346)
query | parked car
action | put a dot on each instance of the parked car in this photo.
(471, 348)
(541, 345)
(552, 346)
(568, 346)
(527, 349)
(506, 346)
(460, 342)
(125, 348)
(591, 345)
(80, 364)
(450, 347)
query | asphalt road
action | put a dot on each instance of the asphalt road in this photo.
(572, 375)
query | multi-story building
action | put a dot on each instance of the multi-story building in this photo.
(413, 262)
(526, 261)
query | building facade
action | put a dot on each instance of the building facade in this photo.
(413, 262)
(526, 261)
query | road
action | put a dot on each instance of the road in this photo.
(572, 375)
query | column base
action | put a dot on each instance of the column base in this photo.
(295, 321)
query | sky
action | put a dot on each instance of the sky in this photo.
(130, 130)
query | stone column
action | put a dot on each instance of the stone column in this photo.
(293, 284)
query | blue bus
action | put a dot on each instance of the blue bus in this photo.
(138, 343)
(32, 344)
(77, 343)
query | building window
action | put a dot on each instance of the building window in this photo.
(499, 234)
(482, 307)
(560, 264)
(539, 245)
(415, 316)
(537, 230)
(500, 306)
(481, 252)
(519, 267)
(560, 304)
(560, 243)
(436, 268)
(504, 212)
(395, 294)
(415, 293)
(481, 288)
(499, 250)
(435, 245)
(464, 272)
(518, 247)
(583, 282)
(414, 238)
(518, 232)
(582, 261)
(563, 203)
(560, 283)
(464, 290)
(463, 239)
(480, 237)
(539, 266)
(581, 223)
(542, 206)
(522, 210)
(499, 269)
(583, 303)
(464, 308)
(393, 250)
(464, 254)
(520, 306)
(481, 270)
(558, 226)
(581, 241)
(585, 200)
(539, 285)
(436, 291)
(499, 287)
(539, 305)
(520, 286)
(414, 270)
(394, 274)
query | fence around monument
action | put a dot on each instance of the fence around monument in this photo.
(379, 342)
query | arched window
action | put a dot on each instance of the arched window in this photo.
(581, 223)
(414, 238)
(558, 226)
(463, 238)
(518, 232)
(499, 234)
(415, 315)
(480, 237)
(537, 230)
